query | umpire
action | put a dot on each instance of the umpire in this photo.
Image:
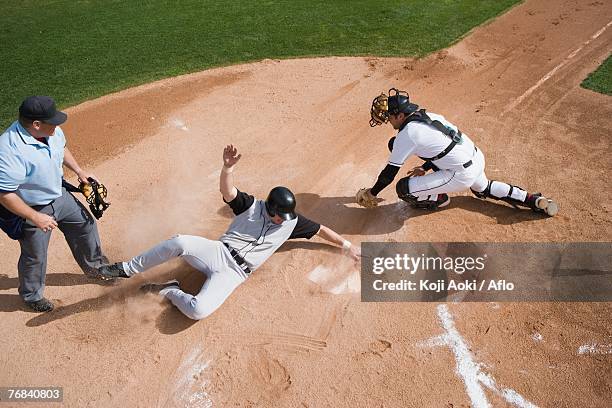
(34, 202)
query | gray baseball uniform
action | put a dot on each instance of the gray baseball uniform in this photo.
(249, 241)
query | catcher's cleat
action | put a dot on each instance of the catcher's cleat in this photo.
(113, 271)
(42, 305)
(538, 203)
(442, 201)
(547, 205)
(160, 288)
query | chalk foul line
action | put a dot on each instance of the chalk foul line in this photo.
(555, 69)
(468, 369)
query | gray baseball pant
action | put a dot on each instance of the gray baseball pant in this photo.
(80, 231)
(211, 258)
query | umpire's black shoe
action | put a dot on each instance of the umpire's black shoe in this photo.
(113, 271)
(42, 305)
(160, 287)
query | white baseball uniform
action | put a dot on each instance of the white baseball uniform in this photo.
(461, 168)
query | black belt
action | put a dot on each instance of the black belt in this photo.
(239, 260)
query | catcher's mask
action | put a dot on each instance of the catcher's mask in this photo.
(281, 202)
(383, 106)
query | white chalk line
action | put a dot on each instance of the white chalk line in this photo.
(468, 369)
(595, 348)
(318, 274)
(190, 387)
(555, 69)
(325, 278)
(179, 124)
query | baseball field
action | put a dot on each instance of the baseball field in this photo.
(296, 333)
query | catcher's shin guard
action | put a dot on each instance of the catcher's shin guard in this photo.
(486, 193)
(533, 201)
(403, 192)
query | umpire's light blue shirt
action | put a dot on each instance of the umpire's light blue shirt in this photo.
(29, 168)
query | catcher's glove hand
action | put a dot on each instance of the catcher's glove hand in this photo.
(365, 198)
(95, 193)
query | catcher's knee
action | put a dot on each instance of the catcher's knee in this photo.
(403, 192)
(402, 188)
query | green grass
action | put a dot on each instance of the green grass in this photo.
(75, 50)
(601, 79)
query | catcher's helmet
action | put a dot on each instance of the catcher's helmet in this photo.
(400, 102)
(281, 202)
(382, 106)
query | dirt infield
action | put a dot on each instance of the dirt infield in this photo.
(282, 340)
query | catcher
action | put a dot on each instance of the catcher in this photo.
(258, 230)
(451, 161)
(34, 199)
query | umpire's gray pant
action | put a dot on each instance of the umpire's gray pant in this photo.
(81, 233)
(209, 257)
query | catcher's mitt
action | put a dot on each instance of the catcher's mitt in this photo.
(365, 198)
(95, 193)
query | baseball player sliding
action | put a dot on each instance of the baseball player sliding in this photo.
(456, 163)
(258, 230)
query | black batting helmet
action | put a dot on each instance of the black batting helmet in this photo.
(281, 202)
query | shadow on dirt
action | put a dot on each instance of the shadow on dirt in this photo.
(170, 321)
(54, 279)
(345, 217)
(13, 303)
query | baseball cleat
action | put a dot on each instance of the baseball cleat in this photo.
(161, 288)
(547, 205)
(97, 275)
(113, 271)
(42, 305)
(442, 201)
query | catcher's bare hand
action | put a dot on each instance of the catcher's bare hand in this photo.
(416, 172)
(365, 198)
(230, 156)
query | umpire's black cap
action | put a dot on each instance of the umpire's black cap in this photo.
(42, 108)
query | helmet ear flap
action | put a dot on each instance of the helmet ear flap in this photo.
(379, 113)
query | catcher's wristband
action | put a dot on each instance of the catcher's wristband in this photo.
(227, 170)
